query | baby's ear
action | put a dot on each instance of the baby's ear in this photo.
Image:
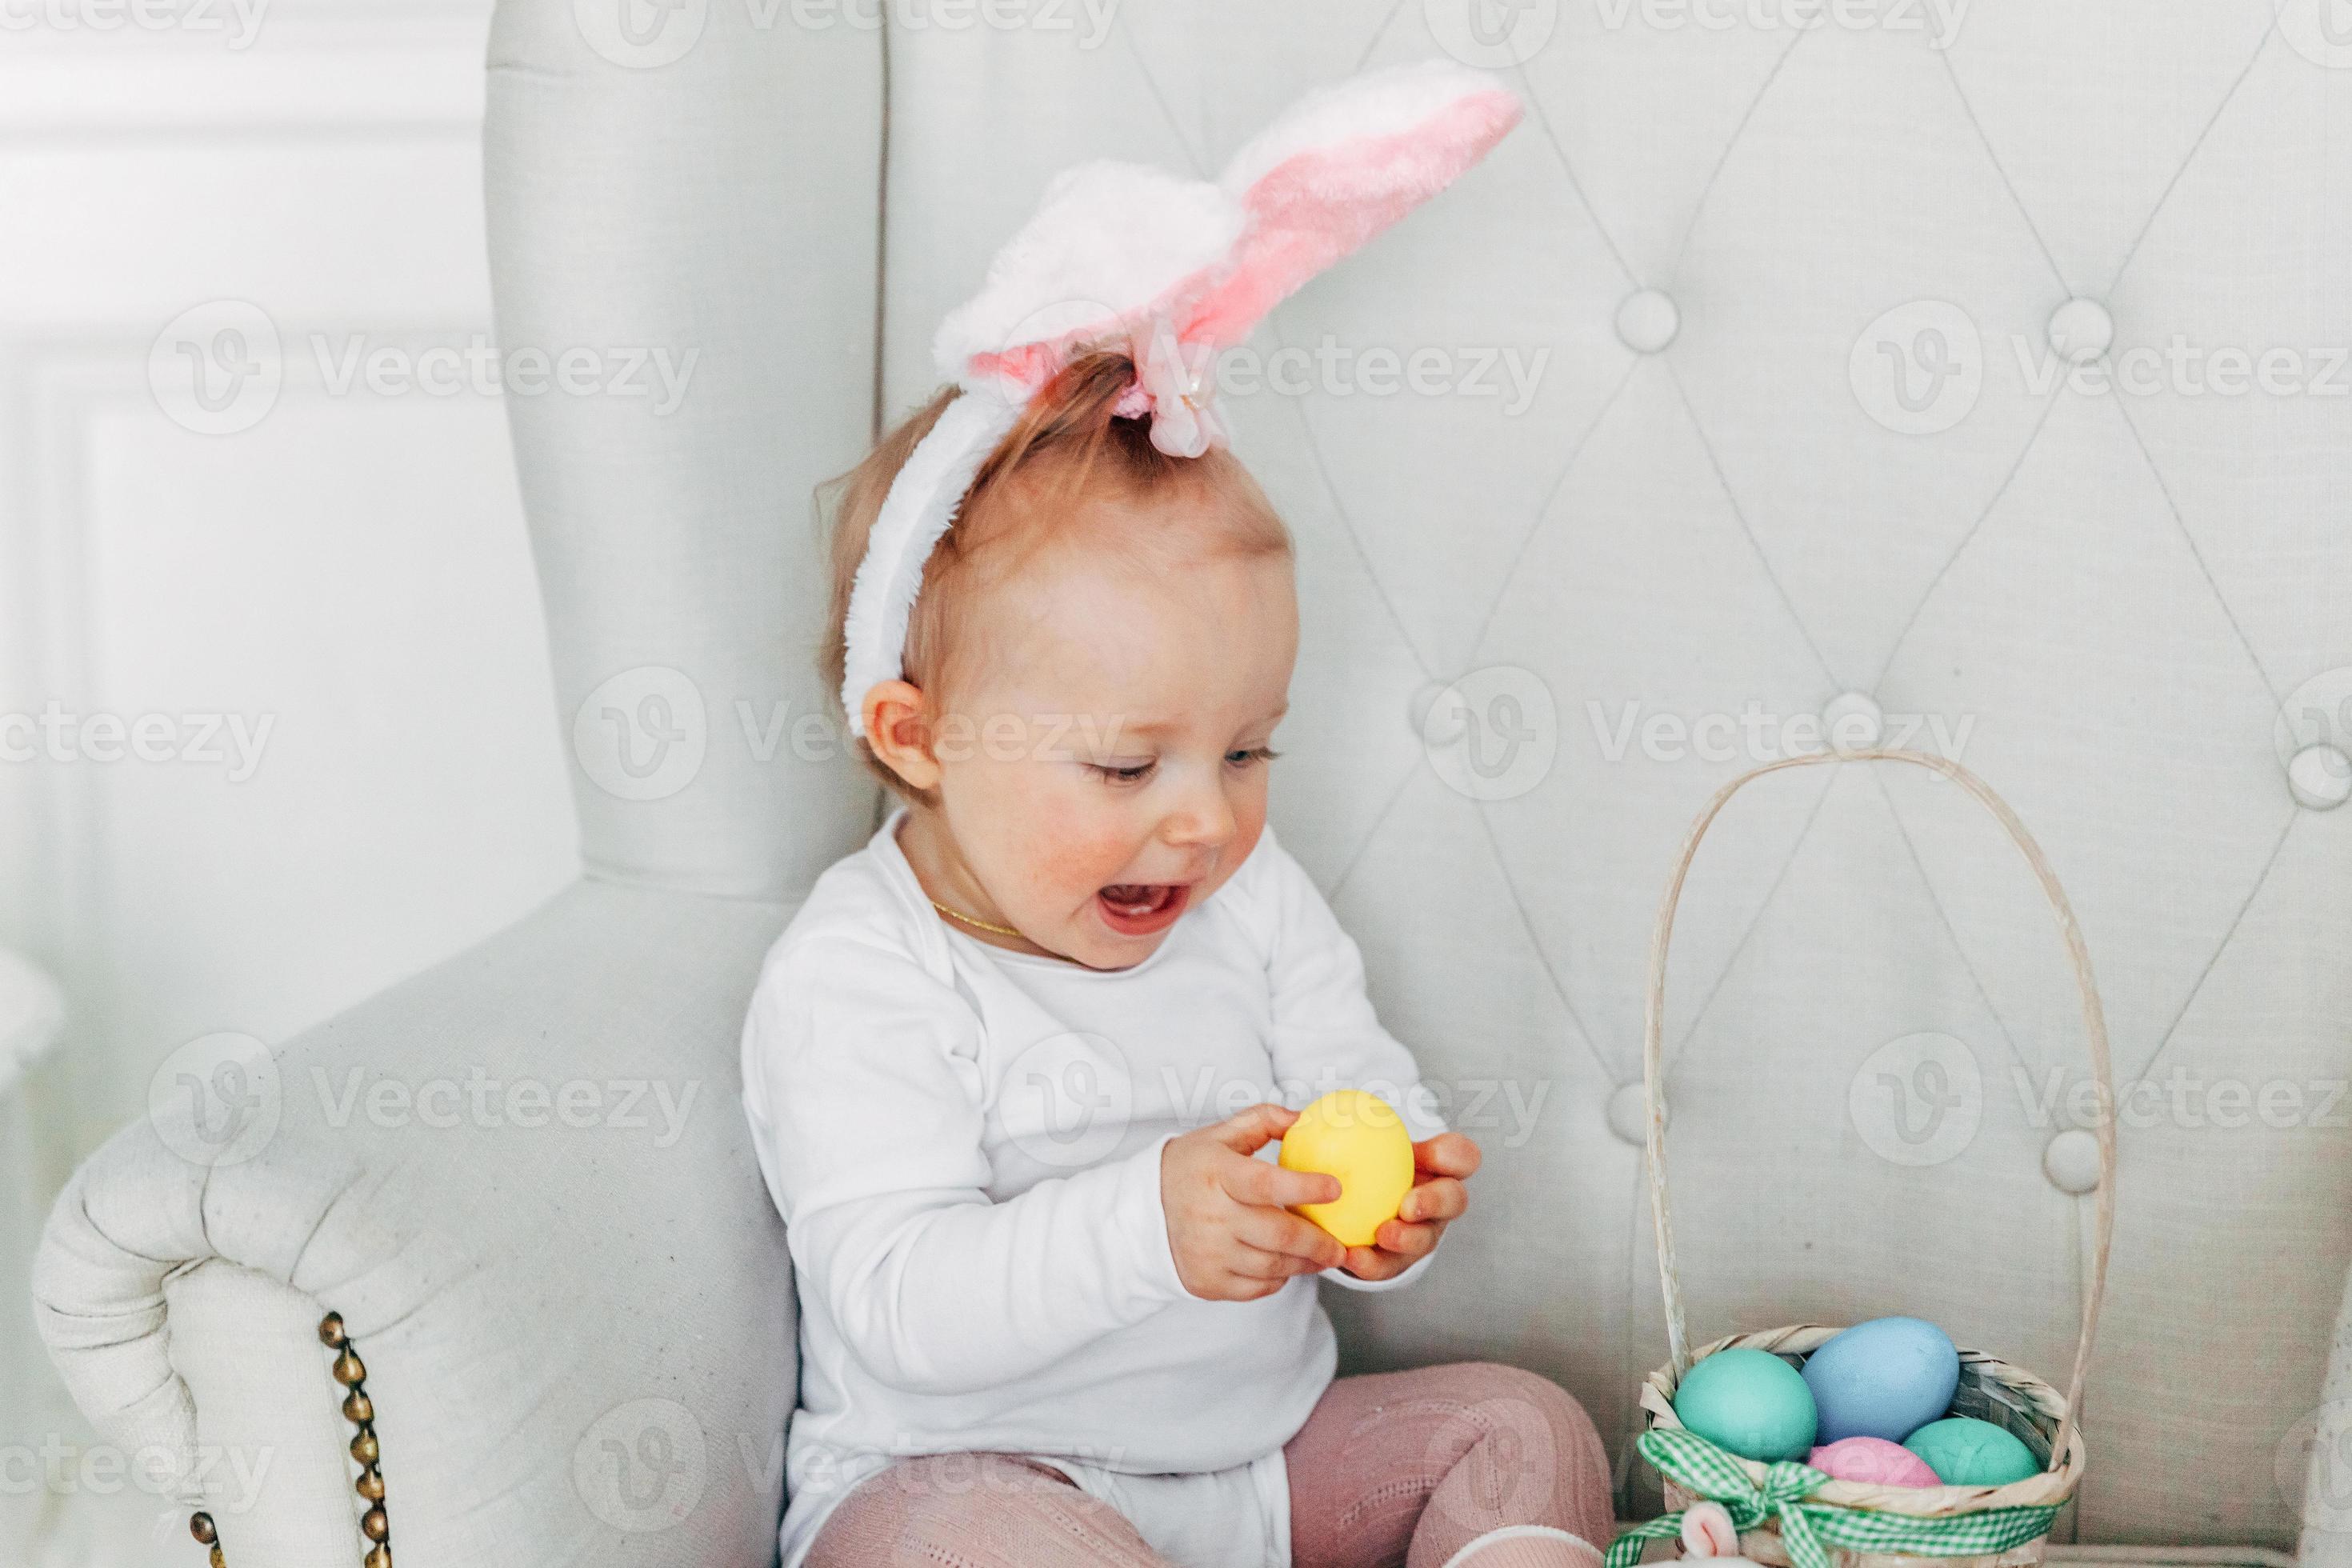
(898, 730)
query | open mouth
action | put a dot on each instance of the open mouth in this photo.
(1140, 909)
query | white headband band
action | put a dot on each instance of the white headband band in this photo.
(1172, 270)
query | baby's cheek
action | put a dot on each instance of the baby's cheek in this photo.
(1056, 851)
(1074, 861)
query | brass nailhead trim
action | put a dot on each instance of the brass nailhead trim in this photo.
(360, 1411)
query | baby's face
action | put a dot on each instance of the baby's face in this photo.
(1104, 766)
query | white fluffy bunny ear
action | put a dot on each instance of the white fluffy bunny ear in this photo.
(1109, 241)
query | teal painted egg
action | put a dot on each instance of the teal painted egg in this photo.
(1966, 1452)
(1750, 1401)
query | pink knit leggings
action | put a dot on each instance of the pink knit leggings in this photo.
(1394, 1468)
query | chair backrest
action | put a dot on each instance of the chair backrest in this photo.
(716, 213)
(1737, 395)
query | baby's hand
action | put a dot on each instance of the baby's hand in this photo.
(1229, 1220)
(1437, 1198)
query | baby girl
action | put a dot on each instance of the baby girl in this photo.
(1053, 1309)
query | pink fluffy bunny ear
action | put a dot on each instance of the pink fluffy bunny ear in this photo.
(1342, 166)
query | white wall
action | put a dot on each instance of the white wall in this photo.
(343, 566)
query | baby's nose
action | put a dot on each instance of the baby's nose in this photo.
(1203, 818)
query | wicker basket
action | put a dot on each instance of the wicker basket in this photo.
(1989, 1389)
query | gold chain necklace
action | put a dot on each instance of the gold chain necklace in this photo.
(976, 924)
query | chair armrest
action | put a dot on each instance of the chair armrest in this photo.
(525, 1182)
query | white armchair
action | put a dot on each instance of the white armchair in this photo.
(32, 1014)
(1703, 498)
(577, 1337)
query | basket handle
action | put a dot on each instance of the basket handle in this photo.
(2095, 1029)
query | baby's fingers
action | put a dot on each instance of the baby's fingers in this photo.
(1441, 1198)
(1265, 1185)
(1447, 1154)
(1260, 1263)
(1406, 1241)
(1280, 1231)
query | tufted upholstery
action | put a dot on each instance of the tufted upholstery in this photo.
(2118, 593)
(2126, 609)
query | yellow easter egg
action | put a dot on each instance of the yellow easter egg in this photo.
(1360, 1139)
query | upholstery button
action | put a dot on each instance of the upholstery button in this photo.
(1647, 321)
(2319, 776)
(2081, 330)
(1851, 721)
(1629, 1114)
(2071, 1161)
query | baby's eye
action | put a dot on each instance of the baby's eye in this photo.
(1123, 773)
(1249, 756)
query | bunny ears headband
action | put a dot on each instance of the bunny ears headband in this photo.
(1172, 270)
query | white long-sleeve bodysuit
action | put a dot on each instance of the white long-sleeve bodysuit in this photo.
(965, 1143)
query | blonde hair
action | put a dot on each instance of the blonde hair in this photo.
(1068, 452)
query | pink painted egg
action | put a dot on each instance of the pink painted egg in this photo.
(1874, 1460)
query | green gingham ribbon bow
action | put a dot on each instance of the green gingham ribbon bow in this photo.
(1808, 1530)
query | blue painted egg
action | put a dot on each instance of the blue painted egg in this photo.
(1750, 1401)
(1885, 1378)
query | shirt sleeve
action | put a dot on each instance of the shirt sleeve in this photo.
(1325, 1033)
(864, 1090)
